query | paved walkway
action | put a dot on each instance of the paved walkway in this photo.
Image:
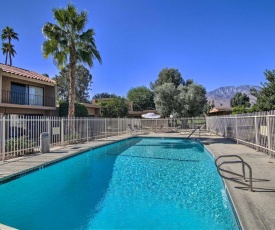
(256, 210)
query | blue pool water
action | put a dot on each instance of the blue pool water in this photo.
(148, 183)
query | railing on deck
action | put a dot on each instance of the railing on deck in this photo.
(27, 99)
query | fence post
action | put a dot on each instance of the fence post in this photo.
(118, 126)
(256, 133)
(62, 131)
(268, 135)
(49, 126)
(3, 138)
(87, 129)
(105, 128)
(236, 125)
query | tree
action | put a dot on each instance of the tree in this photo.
(8, 34)
(166, 96)
(80, 111)
(115, 107)
(191, 100)
(185, 100)
(254, 92)
(142, 98)
(240, 99)
(174, 96)
(104, 95)
(168, 75)
(240, 109)
(8, 50)
(66, 40)
(83, 80)
(46, 75)
(266, 96)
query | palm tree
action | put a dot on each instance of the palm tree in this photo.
(9, 34)
(8, 49)
(67, 40)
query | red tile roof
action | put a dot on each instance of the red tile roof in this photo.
(25, 73)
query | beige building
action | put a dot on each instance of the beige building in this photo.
(220, 111)
(93, 110)
(25, 92)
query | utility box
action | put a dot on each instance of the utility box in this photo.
(45, 142)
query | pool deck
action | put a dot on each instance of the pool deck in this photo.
(256, 210)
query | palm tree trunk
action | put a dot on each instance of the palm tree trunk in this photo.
(71, 109)
(10, 50)
(10, 59)
(6, 60)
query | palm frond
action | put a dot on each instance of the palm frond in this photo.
(60, 59)
(8, 33)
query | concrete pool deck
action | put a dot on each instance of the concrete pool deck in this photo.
(256, 210)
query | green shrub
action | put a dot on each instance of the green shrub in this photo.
(19, 143)
(80, 110)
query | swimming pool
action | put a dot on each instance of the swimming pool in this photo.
(140, 183)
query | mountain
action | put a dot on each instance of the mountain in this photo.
(222, 95)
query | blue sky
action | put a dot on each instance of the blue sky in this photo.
(214, 42)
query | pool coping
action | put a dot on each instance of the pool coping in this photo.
(87, 146)
(244, 202)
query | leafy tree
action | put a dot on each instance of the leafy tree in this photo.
(166, 96)
(104, 95)
(240, 99)
(168, 75)
(8, 50)
(8, 34)
(83, 80)
(80, 110)
(174, 96)
(115, 107)
(240, 109)
(254, 92)
(185, 100)
(46, 75)
(266, 97)
(191, 100)
(68, 40)
(142, 98)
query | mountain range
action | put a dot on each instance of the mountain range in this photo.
(222, 95)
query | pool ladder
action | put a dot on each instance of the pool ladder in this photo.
(240, 161)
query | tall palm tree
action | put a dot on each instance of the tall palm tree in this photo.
(8, 49)
(67, 41)
(9, 34)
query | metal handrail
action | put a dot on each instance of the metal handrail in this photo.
(230, 156)
(235, 162)
(192, 132)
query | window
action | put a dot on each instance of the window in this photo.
(35, 95)
(19, 94)
(26, 95)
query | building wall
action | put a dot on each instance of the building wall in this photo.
(49, 91)
(93, 110)
(6, 108)
(21, 111)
